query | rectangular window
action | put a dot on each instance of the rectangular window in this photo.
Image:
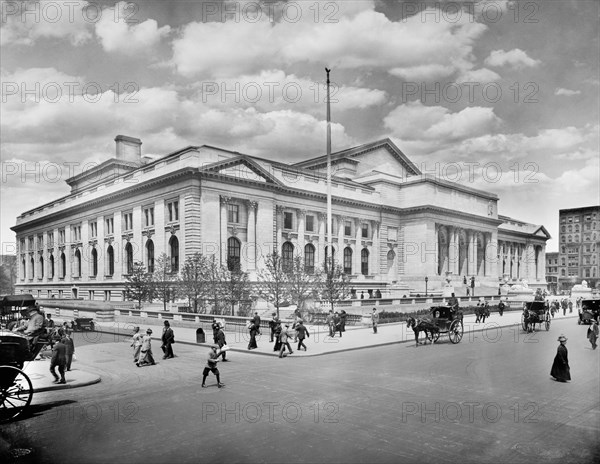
(93, 229)
(61, 236)
(75, 233)
(127, 221)
(50, 239)
(287, 220)
(347, 228)
(365, 230)
(149, 216)
(109, 225)
(233, 213)
(30, 243)
(173, 210)
(40, 241)
(310, 223)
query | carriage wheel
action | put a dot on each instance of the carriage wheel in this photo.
(456, 332)
(15, 396)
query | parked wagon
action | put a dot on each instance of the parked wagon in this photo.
(83, 323)
(535, 312)
(588, 311)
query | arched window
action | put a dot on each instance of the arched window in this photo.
(364, 261)
(41, 267)
(77, 263)
(23, 269)
(391, 256)
(110, 256)
(94, 262)
(174, 249)
(233, 254)
(309, 258)
(63, 266)
(129, 258)
(150, 256)
(347, 260)
(31, 268)
(287, 255)
(51, 268)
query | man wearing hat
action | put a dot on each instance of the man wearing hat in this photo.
(168, 338)
(146, 357)
(592, 334)
(211, 366)
(35, 325)
(301, 334)
(272, 324)
(560, 368)
(375, 320)
(283, 338)
(221, 342)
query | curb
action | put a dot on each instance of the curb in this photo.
(306, 355)
(67, 386)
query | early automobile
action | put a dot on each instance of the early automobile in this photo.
(589, 309)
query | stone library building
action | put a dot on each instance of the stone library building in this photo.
(393, 226)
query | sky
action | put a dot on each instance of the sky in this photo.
(497, 95)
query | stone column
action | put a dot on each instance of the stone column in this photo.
(251, 245)
(301, 213)
(340, 237)
(279, 227)
(223, 229)
(475, 257)
(376, 246)
(452, 251)
(357, 248)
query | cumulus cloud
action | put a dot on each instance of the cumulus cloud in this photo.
(516, 58)
(415, 121)
(566, 92)
(120, 37)
(27, 22)
(409, 48)
(274, 89)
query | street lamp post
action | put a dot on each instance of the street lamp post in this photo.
(426, 280)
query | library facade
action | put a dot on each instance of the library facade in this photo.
(394, 229)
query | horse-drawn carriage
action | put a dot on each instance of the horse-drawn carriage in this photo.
(16, 389)
(443, 319)
(535, 312)
(589, 309)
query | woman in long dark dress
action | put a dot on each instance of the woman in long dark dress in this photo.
(560, 368)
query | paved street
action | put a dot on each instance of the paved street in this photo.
(487, 399)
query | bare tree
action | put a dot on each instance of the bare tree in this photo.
(215, 278)
(139, 284)
(335, 285)
(302, 285)
(273, 281)
(236, 286)
(163, 280)
(192, 282)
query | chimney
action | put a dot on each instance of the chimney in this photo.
(129, 148)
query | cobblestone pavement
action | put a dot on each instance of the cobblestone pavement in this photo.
(488, 399)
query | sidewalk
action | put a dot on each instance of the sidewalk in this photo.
(319, 343)
(42, 379)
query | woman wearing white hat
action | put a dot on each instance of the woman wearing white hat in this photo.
(560, 368)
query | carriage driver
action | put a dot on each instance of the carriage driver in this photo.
(453, 303)
(35, 325)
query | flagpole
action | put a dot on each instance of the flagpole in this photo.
(329, 245)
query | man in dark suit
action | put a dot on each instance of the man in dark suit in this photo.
(221, 342)
(168, 337)
(59, 359)
(256, 322)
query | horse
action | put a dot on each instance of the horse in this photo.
(531, 319)
(418, 326)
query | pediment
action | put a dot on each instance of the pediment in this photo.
(242, 168)
(542, 232)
